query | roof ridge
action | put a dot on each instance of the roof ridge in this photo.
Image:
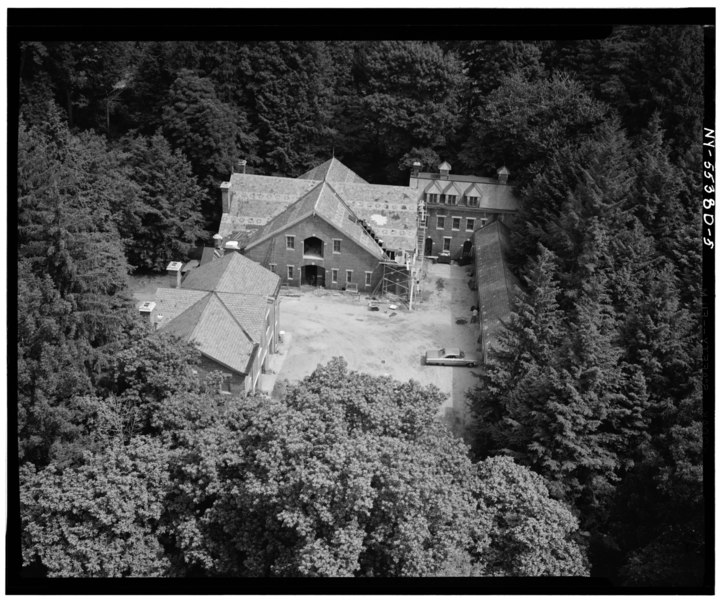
(228, 310)
(269, 224)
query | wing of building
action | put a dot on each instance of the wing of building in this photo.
(329, 227)
(496, 284)
(229, 308)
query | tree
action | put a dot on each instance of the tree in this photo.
(351, 475)
(99, 519)
(521, 123)
(405, 95)
(289, 94)
(170, 204)
(212, 134)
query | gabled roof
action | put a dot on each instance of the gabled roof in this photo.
(209, 323)
(435, 186)
(332, 171)
(496, 284)
(473, 190)
(233, 273)
(325, 202)
(254, 199)
(453, 187)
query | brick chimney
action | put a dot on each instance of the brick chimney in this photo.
(225, 205)
(146, 309)
(240, 166)
(175, 267)
(444, 170)
(502, 174)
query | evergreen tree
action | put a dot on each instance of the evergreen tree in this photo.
(171, 202)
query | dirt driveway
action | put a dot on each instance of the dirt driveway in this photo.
(382, 343)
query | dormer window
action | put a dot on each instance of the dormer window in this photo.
(472, 200)
(451, 199)
(432, 198)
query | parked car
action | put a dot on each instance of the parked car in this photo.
(444, 257)
(450, 357)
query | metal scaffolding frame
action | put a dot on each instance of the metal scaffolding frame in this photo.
(400, 280)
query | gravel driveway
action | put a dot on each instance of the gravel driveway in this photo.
(388, 342)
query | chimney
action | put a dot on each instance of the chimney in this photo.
(240, 166)
(416, 166)
(225, 187)
(444, 170)
(146, 310)
(175, 267)
(233, 246)
(502, 174)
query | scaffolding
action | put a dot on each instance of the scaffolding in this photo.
(400, 280)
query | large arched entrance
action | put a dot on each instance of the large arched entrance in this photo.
(428, 243)
(313, 247)
(467, 248)
(313, 275)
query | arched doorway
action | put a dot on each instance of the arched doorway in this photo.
(467, 248)
(428, 243)
(313, 246)
(313, 275)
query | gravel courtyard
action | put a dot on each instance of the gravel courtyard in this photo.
(324, 325)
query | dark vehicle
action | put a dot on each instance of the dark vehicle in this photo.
(444, 257)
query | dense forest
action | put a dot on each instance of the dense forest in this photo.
(587, 453)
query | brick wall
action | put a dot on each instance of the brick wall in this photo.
(352, 256)
(461, 235)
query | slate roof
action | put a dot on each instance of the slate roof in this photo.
(325, 202)
(233, 273)
(493, 195)
(221, 307)
(211, 324)
(391, 211)
(496, 285)
(332, 171)
(254, 200)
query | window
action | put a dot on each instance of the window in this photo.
(290, 271)
(456, 221)
(451, 199)
(337, 246)
(432, 198)
(367, 278)
(272, 268)
(289, 242)
(348, 276)
(470, 224)
(472, 201)
(440, 222)
(335, 275)
(426, 221)
(447, 243)
(441, 199)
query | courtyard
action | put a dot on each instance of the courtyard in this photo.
(319, 325)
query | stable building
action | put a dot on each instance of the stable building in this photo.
(497, 286)
(327, 228)
(229, 308)
(458, 205)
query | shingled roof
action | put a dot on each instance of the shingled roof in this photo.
(254, 200)
(332, 171)
(496, 284)
(235, 274)
(493, 195)
(212, 324)
(326, 203)
(222, 308)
